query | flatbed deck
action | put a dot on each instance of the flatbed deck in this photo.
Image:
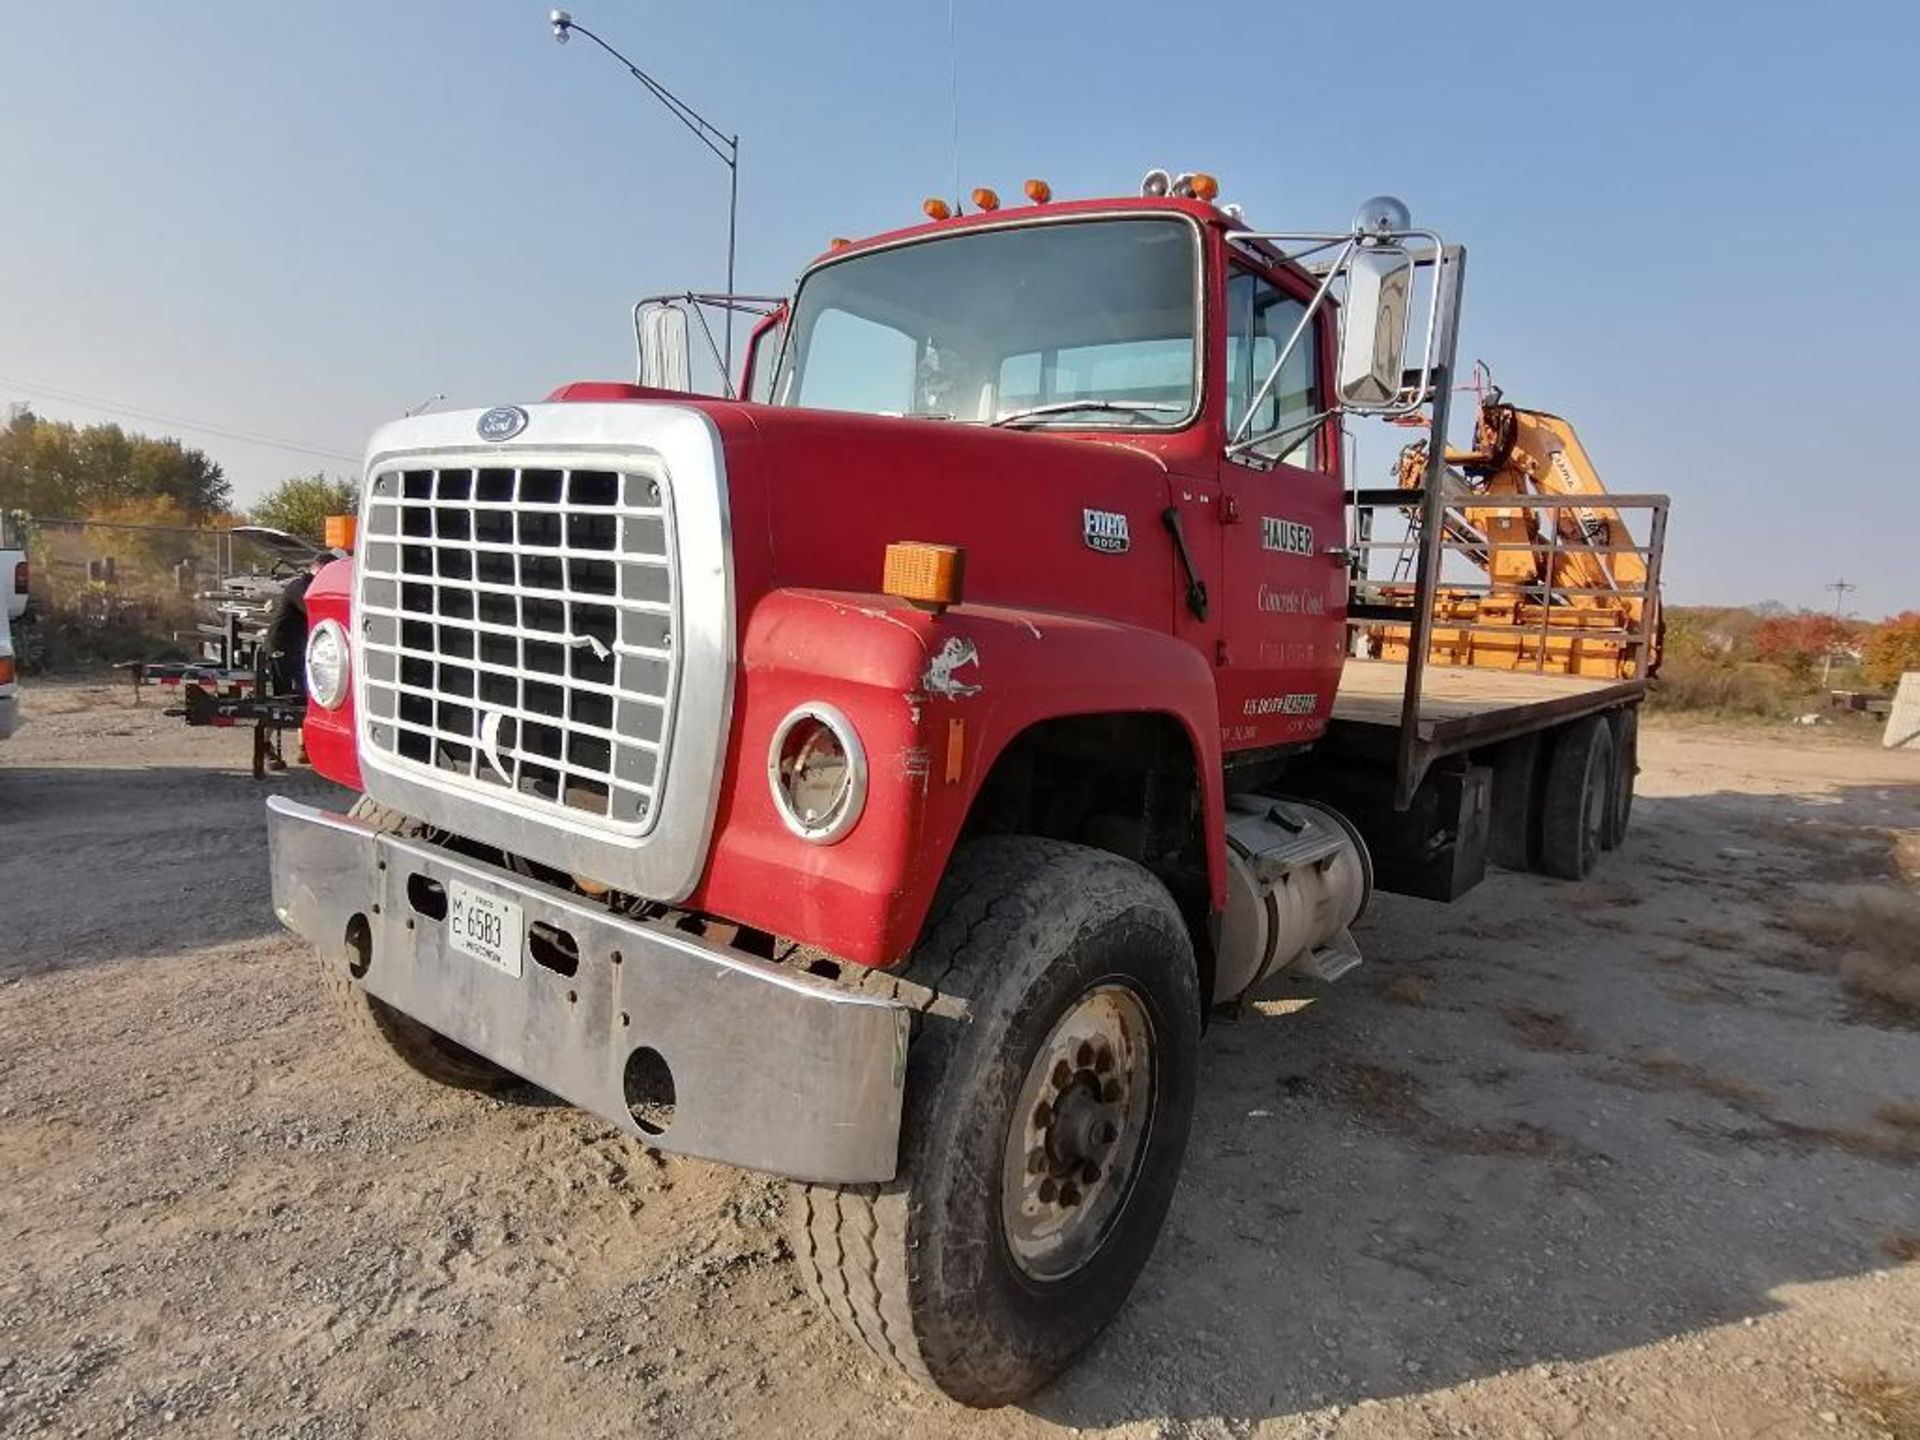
(1462, 707)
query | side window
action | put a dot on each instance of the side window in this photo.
(1260, 321)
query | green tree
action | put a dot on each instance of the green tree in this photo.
(301, 504)
(52, 468)
(1891, 649)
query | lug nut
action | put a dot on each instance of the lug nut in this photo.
(1090, 1172)
(1069, 1194)
(1061, 1074)
(1048, 1191)
(1107, 1133)
(1083, 1057)
(1042, 1115)
(1036, 1162)
(1103, 1062)
(1110, 1092)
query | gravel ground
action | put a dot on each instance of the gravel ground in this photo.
(1621, 1158)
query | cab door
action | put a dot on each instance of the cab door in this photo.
(1283, 508)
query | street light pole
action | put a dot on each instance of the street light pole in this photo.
(725, 147)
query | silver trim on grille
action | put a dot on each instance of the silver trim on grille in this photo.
(629, 798)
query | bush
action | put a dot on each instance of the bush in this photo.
(1697, 683)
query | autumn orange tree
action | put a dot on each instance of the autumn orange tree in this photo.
(1799, 642)
(1891, 649)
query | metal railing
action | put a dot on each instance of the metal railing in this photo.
(1437, 528)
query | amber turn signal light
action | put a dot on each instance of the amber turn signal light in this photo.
(1039, 192)
(926, 575)
(985, 199)
(936, 209)
(340, 532)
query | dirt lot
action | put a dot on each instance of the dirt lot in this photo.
(1626, 1158)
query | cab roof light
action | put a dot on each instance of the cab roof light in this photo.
(985, 199)
(340, 531)
(1203, 186)
(1038, 191)
(838, 242)
(925, 575)
(936, 209)
(1155, 183)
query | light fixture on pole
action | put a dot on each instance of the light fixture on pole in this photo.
(726, 147)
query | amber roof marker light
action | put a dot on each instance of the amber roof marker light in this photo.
(985, 199)
(934, 208)
(1038, 191)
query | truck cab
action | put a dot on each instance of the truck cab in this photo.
(877, 780)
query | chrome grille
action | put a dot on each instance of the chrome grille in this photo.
(517, 633)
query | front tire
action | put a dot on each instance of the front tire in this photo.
(396, 1037)
(1042, 1134)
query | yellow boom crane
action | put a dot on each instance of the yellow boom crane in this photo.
(1567, 586)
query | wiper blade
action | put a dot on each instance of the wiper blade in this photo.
(1069, 407)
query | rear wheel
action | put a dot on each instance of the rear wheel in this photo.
(1626, 765)
(380, 1027)
(1042, 1135)
(1513, 831)
(1577, 802)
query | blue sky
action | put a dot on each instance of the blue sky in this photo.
(1691, 226)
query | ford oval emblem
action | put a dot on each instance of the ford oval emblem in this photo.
(503, 422)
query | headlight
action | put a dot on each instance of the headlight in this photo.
(327, 665)
(818, 773)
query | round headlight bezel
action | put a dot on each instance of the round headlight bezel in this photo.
(846, 812)
(333, 694)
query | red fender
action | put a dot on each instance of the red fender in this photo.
(902, 676)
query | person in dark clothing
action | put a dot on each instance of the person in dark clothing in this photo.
(286, 637)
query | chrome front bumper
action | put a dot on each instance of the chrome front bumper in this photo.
(771, 1070)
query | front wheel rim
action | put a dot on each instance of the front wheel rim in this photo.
(1078, 1133)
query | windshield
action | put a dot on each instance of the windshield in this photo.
(1089, 324)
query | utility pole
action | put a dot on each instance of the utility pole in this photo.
(1839, 588)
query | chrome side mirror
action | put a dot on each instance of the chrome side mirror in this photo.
(1373, 330)
(666, 354)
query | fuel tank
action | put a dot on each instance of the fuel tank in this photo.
(1298, 876)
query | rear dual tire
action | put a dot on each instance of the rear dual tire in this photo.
(1578, 810)
(1042, 1134)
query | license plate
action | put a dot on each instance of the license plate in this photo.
(485, 927)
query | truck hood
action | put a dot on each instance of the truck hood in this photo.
(828, 491)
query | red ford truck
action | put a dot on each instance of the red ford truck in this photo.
(879, 779)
